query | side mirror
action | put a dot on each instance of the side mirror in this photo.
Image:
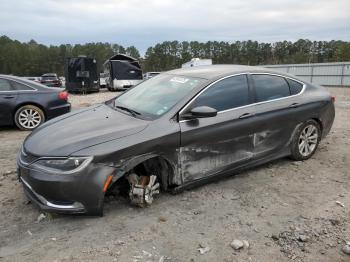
(201, 112)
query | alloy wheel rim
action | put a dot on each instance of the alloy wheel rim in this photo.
(308, 140)
(29, 118)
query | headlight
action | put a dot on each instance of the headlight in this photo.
(62, 165)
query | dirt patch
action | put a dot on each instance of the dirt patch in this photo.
(287, 211)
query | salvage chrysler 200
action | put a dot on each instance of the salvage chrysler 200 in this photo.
(176, 130)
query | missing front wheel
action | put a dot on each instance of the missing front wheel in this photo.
(142, 189)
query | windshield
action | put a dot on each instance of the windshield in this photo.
(49, 77)
(158, 95)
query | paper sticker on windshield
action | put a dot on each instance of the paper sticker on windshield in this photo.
(180, 80)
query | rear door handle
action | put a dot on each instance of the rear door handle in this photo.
(246, 115)
(294, 105)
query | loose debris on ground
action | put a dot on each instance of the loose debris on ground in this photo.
(282, 211)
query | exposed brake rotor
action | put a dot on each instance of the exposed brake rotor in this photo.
(143, 188)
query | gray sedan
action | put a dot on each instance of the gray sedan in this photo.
(179, 129)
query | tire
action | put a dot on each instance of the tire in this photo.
(29, 117)
(306, 140)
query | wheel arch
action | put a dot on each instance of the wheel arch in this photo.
(165, 167)
(297, 127)
(318, 120)
(29, 104)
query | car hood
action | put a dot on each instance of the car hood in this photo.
(78, 130)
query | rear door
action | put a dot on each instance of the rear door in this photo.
(215, 144)
(276, 113)
(8, 97)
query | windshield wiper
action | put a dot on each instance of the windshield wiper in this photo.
(133, 112)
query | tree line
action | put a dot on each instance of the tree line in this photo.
(34, 59)
(169, 55)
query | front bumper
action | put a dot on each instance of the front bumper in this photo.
(76, 193)
(45, 205)
(122, 85)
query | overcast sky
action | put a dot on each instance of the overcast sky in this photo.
(145, 22)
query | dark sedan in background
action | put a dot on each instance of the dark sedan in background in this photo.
(51, 79)
(28, 104)
(179, 129)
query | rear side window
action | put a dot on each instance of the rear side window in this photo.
(226, 94)
(5, 85)
(269, 87)
(18, 86)
(294, 86)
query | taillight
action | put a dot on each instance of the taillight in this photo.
(333, 98)
(63, 95)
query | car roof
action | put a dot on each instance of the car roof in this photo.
(215, 71)
(13, 77)
(27, 82)
(50, 74)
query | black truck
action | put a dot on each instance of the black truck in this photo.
(81, 75)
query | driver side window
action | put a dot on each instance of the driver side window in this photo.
(226, 94)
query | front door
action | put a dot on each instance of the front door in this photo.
(215, 144)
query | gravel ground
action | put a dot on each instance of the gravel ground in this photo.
(286, 211)
(79, 101)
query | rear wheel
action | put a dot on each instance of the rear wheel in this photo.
(29, 117)
(306, 140)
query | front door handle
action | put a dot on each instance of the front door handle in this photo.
(246, 115)
(9, 97)
(294, 105)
